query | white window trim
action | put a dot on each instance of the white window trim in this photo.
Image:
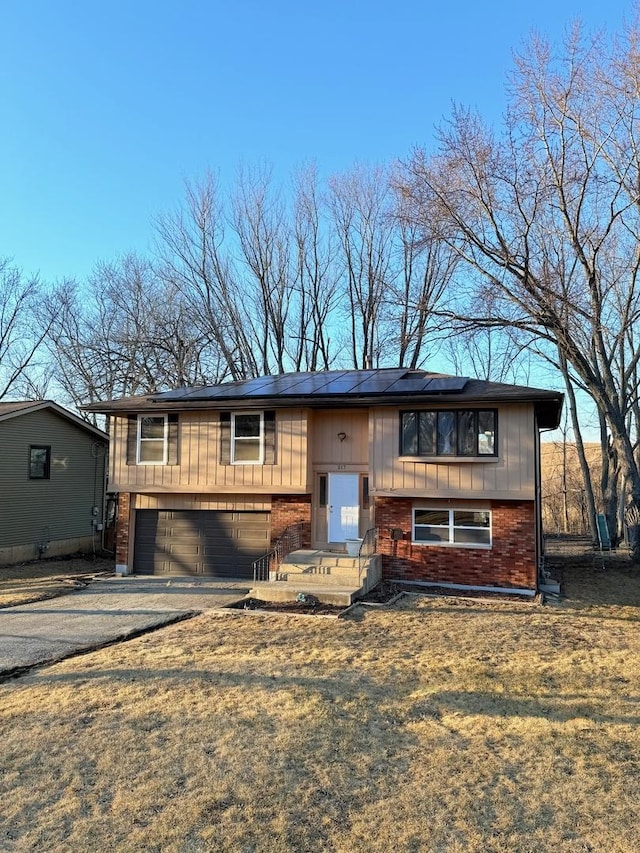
(451, 544)
(165, 441)
(234, 438)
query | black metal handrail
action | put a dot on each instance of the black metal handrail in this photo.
(291, 540)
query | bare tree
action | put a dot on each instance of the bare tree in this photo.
(548, 215)
(23, 328)
(264, 237)
(362, 211)
(421, 284)
(194, 257)
(125, 332)
(490, 353)
(316, 279)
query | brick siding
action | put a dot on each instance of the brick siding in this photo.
(291, 509)
(511, 562)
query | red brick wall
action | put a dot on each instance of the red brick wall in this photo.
(122, 529)
(290, 509)
(511, 562)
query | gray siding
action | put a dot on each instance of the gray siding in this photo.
(33, 511)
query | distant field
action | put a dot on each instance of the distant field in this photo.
(437, 725)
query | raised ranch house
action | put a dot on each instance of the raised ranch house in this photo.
(438, 474)
(52, 477)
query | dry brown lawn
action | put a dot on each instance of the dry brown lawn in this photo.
(435, 725)
(42, 579)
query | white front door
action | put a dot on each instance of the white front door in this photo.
(344, 506)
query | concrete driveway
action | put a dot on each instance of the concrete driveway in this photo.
(106, 611)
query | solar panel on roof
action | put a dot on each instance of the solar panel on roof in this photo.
(447, 384)
(176, 394)
(378, 383)
(317, 383)
(409, 386)
(344, 384)
(243, 388)
(323, 383)
(424, 383)
(289, 383)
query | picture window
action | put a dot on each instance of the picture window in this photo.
(459, 432)
(470, 528)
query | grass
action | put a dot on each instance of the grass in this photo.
(435, 725)
(41, 579)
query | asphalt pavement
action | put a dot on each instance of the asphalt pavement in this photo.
(106, 611)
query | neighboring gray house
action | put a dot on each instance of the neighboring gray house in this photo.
(52, 482)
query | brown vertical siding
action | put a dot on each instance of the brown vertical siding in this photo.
(199, 467)
(511, 473)
(327, 450)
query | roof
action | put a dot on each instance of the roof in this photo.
(17, 408)
(338, 388)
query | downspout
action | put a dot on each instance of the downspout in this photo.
(538, 501)
(99, 452)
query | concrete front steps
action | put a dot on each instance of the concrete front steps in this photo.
(331, 577)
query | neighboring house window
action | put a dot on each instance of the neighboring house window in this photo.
(468, 432)
(247, 438)
(39, 462)
(152, 440)
(470, 528)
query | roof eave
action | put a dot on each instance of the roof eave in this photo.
(548, 404)
(59, 410)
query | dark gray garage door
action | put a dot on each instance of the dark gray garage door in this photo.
(199, 542)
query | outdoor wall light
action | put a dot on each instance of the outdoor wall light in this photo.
(342, 436)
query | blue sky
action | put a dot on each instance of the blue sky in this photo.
(106, 108)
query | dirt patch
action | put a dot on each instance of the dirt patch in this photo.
(309, 607)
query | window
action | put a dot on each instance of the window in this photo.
(322, 490)
(39, 462)
(461, 432)
(247, 438)
(468, 528)
(152, 440)
(365, 501)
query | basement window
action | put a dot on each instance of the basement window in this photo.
(464, 528)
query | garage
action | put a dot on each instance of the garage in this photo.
(215, 543)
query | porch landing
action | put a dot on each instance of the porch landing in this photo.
(332, 578)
